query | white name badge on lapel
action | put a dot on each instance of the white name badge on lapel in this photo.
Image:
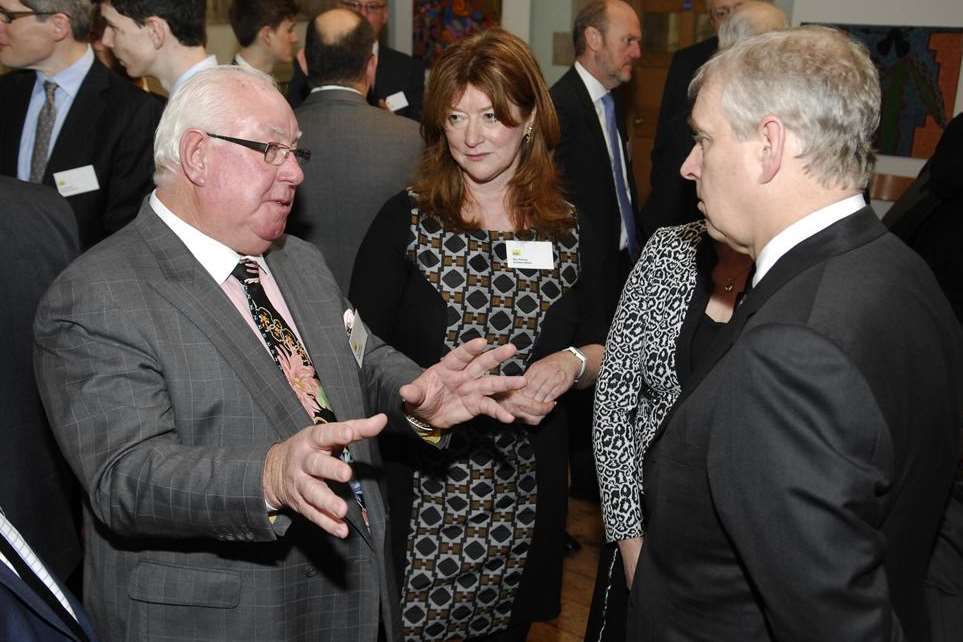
(530, 255)
(396, 101)
(79, 180)
(357, 335)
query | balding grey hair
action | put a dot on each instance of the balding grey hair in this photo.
(208, 102)
(593, 14)
(751, 19)
(81, 14)
(818, 82)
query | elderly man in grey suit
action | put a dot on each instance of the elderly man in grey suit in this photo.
(362, 155)
(180, 362)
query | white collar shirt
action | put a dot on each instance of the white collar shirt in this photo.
(597, 91)
(807, 226)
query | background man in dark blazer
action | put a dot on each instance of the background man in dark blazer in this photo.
(398, 74)
(213, 512)
(91, 136)
(927, 218)
(672, 199)
(34, 606)
(607, 42)
(796, 490)
(362, 155)
(38, 238)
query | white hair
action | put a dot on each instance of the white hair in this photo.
(751, 19)
(818, 82)
(208, 101)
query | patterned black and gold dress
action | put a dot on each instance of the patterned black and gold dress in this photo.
(477, 526)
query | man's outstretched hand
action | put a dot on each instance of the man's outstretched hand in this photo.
(460, 387)
(297, 469)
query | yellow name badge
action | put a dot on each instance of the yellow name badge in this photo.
(530, 255)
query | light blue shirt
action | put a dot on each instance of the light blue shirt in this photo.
(68, 84)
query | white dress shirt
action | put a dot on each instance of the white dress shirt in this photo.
(596, 92)
(12, 535)
(807, 226)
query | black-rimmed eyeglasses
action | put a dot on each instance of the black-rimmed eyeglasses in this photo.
(6, 17)
(274, 153)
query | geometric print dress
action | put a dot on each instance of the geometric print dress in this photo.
(473, 511)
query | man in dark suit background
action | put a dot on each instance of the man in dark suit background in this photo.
(672, 200)
(202, 372)
(38, 238)
(400, 79)
(593, 155)
(69, 122)
(796, 490)
(927, 218)
(362, 155)
(596, 167)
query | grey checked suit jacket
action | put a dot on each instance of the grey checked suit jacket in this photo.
(361, 157)
(165, 403)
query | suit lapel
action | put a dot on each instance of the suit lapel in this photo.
(317, 305)
(14, 113)
(85, 112)
(590, 119)
(36, 604)
(851, 232)
(190, 289)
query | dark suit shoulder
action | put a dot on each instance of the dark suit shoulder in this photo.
(120, 92)
(694, 56)
(17, 78)
(566, 89)
(396, 59)
(38, 218)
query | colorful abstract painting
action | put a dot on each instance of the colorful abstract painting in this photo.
(919, 73)
(438, 23)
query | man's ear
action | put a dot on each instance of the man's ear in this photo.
(371, 70)
(60, 23)
(158, 30)
(264, 35)
(302, 61)
(594, 38)
(772, 135)
(194, 149)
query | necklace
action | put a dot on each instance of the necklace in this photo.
(730, 282)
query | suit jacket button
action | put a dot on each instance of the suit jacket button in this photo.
(310, 572)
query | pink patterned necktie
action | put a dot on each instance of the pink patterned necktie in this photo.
(290, 356)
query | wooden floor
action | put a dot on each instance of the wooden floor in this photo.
(578, 579)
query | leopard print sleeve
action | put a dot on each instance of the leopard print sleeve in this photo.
(638, 384)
